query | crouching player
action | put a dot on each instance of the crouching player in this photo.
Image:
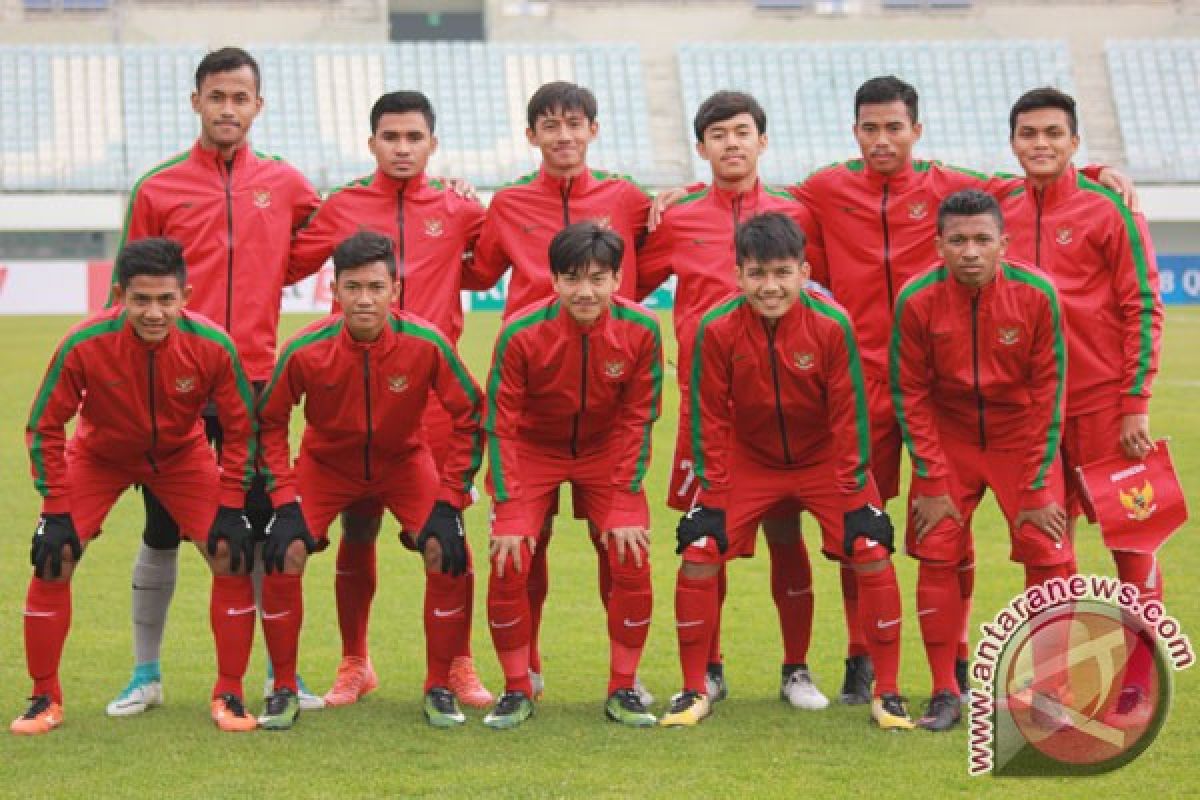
(779, 424)
(575, 388)
(138, 376)
(365, 375)
(978, 364)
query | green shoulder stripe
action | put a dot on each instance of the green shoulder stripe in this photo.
(365, 180)
(651, 324)
(853, 165)
(1054, 433)
(1146, 296)
(723, 310)
(53, 374)
(268, 156)
(781, 193)
(605, 175)
(521, 181)
(693, 196)
(133, 193)
(920, 468)
(506, 335)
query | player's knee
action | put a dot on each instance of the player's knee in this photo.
(781, 530)
(697, 571)
(628, 573)
(360, 528)
(218, 558)
(295, 558)
(432, 554)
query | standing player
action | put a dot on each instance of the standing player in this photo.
(138, 377)
(779, 423)
(524, 216)
(1102, 260)
(575, 388)
(233, 210)
(695, 243)
(978, 371)
(433, 230)
(366, 375)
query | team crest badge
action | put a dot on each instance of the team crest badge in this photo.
(262, 198)
(1063, 235)
(434, 227)
(803, 360)
(185, 385)
(397, 383)
(1008, 336)
(614, 369)
(917, 210)
(1139, 503)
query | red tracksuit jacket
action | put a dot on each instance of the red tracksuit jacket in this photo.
(363, 403)
(694, 242)
(433, 229)
(1102, 262)
(235, 228)
(785, 397)
(525, 215)
(140, 403)
(576, 392)
(986, 367)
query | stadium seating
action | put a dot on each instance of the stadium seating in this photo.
(966, 90)
(1154, 82)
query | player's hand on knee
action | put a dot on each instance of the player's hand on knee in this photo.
(54, 532)
(699, 522)
(446, 526)
(286, 526)
(232, 526)
(928, 511)
(632, 540)
(869, 522)
(503, 548)
(1049, 519)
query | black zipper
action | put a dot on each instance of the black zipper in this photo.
(229, 248)
(787, 454)
(1037, 230)
(367, 396)
(153, 412)
(887, 249)
(583, 370)
(565, 191)
(400, 242)
(975, 365)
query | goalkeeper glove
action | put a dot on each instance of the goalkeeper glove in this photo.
(53, 531)
(445, 525)
(286, 526)
(870, 522)
(699, 522)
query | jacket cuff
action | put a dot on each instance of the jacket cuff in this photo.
(1036, 498)
(864, 496)
(1135, 404)
(285, 494)
(59, 504)
(628, 510)
(231, 498)
(511, 519)
(929, 487)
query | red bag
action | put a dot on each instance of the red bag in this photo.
(1138, 504)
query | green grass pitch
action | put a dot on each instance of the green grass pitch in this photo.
(754, 746)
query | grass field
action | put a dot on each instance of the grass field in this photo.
(754, 746)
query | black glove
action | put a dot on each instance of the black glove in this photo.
(231, 525)
(445, 525)
(868, 521)
(701, 521)
(53, 531)
(286, 525)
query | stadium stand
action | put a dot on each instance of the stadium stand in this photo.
(966, 86)
(1154, 87)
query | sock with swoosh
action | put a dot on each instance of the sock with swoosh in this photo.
(446, 623)
(47, 620)
(791, 586)
(695, 620)
(282, 616)
(629, 607)
(354, 589)
(939, 612)
(538, 586)
(231, 611)
(509, 621)
(856, 644)
(879, 616)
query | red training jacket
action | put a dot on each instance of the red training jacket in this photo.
(363, 403)
(1102, 261)
(526, 214)
(575, 392)
(140, 402)
(235, 228)
(983, 366)
(786, 397)
(433, 229)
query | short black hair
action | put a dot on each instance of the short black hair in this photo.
(364, 247)
(402, 102)
(727, 104)
(560, 96)
(1043, 97)
(227, 59)
(768, 237)
(969, 203)
(157, 257)
(583, 244)
(886, 89)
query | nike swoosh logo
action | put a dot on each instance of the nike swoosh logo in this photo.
(925, 611)
(29, 613)
(279, 615)
(889, 624)
(437, 612)
(689, 623)
(640, 623)
(798, 592)
(344, 572)
(237, 612)
(504, 624)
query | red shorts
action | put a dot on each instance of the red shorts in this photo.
(1088, 438)
(186, 483)
(683, 486)
(408, 488)
(757, 493)
(973, 471)
(542, 473)
(886, 442)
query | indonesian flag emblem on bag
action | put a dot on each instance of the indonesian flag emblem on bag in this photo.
(1138, 504)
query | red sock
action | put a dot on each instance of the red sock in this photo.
(231, 611)
(939, 610)
(856, 644)
(604, 578)
(791, 586)
(966, 590)
(47, 620)
(714, 647)
(696, 604)
(629, 609)
(445, 621)
(1049, 647)
(879, 615)
(509, 619)
(354, 588)
(1036, 575)
(282, 617)
(1143, 571)
(463, 647)
(538, 586)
